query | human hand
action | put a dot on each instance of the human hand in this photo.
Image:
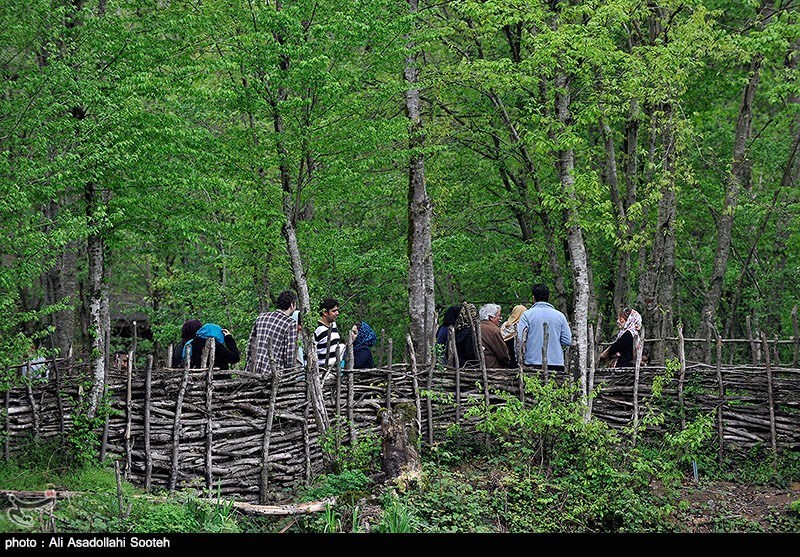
(226, 332)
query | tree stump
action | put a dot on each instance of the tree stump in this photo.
(399, 456)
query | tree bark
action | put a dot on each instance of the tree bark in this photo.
(738, 178)
(577, 249)
(421, 297)
(98, 297)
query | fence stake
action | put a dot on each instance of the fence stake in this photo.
(682, 360)
(772, 435)
(720, 425)
(273, 395)
(128, 415)
(388, 376)
(148, 463)
(209, 424)
(415, 384)
(796, 337)
(451, 343)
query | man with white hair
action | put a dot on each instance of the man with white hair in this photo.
(495, 349)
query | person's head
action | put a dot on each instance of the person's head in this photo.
(622, 317)
(121, 359)
(466, 316)
(363, 334)
(286, 300)
(490, 312)
(540, 292)
(328, 310)
(190, 328)
(450, 316)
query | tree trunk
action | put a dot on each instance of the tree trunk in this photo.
(421, 298)
(398, 452)
(738, 178)
(98, 300)
(577, 248)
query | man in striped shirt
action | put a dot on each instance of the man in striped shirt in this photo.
(326, 336)
(274, 332)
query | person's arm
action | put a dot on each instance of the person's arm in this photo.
(233, 354)
(615, 347)
(290, 348)
(566, 333)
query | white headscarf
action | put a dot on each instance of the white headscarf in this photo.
(634, 324)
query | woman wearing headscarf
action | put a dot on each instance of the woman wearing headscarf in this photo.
(465, 345)
(509, 331)
(225, 352)
(188, 330)
(629, 341)
(364, 339)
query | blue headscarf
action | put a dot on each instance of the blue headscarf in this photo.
(366, 336)
(209, 330)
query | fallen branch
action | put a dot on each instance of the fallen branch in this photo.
(278, 510)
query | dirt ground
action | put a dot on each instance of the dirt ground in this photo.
(730, 507)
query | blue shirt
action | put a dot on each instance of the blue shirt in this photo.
(558, 332)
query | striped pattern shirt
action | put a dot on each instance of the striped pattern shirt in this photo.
(274, 332)
(329, 344)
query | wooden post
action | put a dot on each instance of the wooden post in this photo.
(350, 403)
(148, 462)
(104, 436)
(429, 402)
(273, 395)
(545, 340)
(380, 350)
(637, 362)
(451, 343)
(7, 442)
(209, 423)
(57, 374)
(128, 415)
(135, 342)
(519, 347)
(720, 424)
(176, 427)
(590, 386)
(682, 360)
(388, 375)
(34, 408)
(481, 361)
(415, 384)
(796, 336)
(170, 350)
(772, 435)
(753, 347)
(306, 436)
(338, 394)
(658, 355)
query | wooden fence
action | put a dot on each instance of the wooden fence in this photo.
(177, 428)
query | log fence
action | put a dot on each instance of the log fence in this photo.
(255, 438)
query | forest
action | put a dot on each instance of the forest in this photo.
(171, 160)
(165, 160)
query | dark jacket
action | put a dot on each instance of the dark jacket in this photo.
(465, 347)
(362, 357)
(224, 354)
(623, 345)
